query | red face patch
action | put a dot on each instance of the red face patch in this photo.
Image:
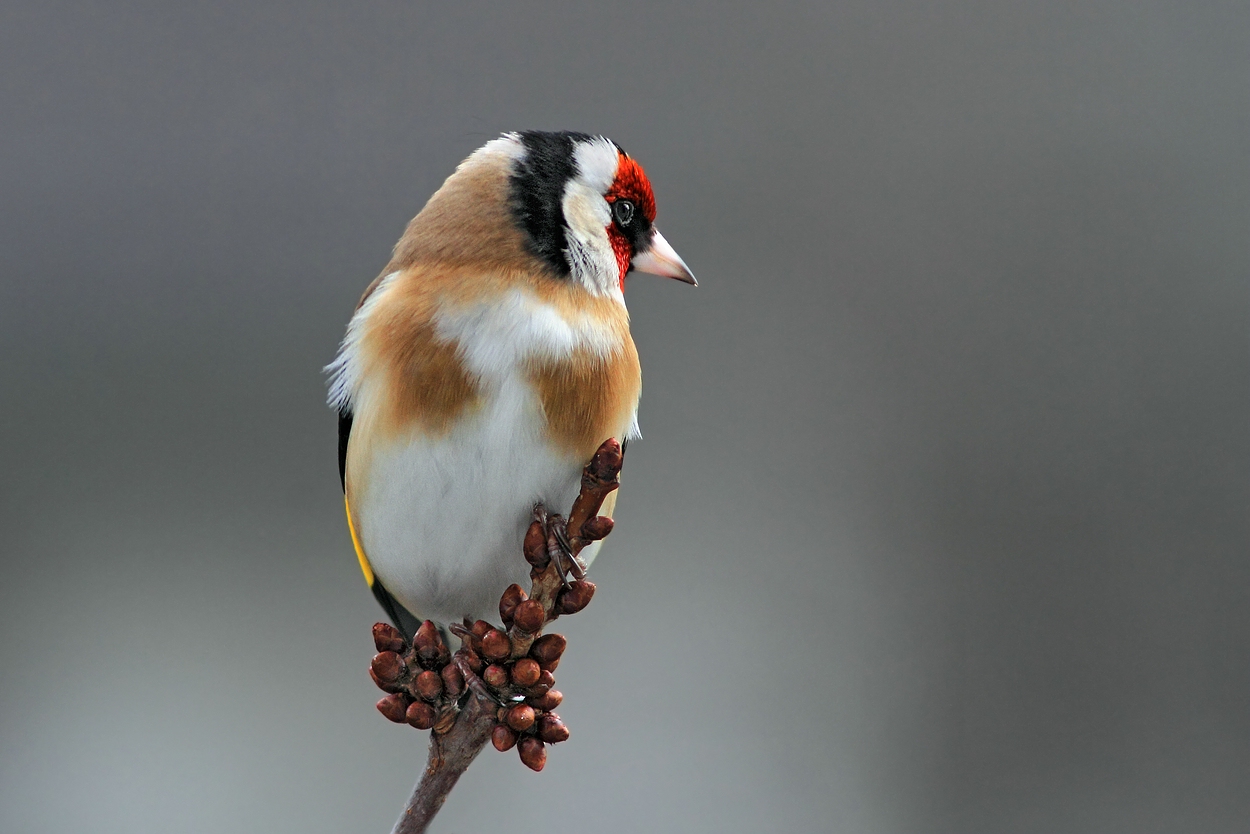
(623, 249)
(631, 184)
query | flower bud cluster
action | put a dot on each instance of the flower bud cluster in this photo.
(421, 683)
(518, 666)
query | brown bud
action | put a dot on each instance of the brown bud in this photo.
(546, 702)
(393, 707)
(428, 685)
(387, 638)
(543, 687)
(530, 616)
(511, 598)
(594, 529)
(427, 636)
(481, 628)
(453, 680)
(495, 645)
(429, 643)
(551, 729)
(533, 753)
(503, 738)
(525, 672)
(496, 676)
(388, 666)
(392, 686)
(547, 650)
(535, 547)
(576, 597)
(521, 717)
(606, 464)
(420, 715)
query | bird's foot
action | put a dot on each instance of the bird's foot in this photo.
(469, 661)
(560, 547)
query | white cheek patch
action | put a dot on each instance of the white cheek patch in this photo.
(591, 259)
(586, 213)
(587, 217)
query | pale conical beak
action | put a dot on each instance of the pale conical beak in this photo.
(661, 259)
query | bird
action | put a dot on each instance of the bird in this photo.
(487, 362)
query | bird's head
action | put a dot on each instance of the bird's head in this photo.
(577, 204)
(588, 210)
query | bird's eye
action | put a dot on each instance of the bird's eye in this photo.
(623, 211)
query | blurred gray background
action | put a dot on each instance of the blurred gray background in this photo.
(939, 523)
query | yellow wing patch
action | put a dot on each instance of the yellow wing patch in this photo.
(360, 551)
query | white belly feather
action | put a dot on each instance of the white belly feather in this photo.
(442, 520)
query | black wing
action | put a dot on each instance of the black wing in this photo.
(345, 431)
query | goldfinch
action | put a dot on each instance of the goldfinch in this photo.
(486, 364)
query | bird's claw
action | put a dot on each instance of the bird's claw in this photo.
(559, 548)
(471, 679)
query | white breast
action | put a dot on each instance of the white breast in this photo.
(495, 336)
(441, 519)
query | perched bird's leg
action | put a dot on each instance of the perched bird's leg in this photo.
(556, 545)
(465, 664)
(560, 549)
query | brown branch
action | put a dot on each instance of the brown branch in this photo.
(499, 685)
(451, 754)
